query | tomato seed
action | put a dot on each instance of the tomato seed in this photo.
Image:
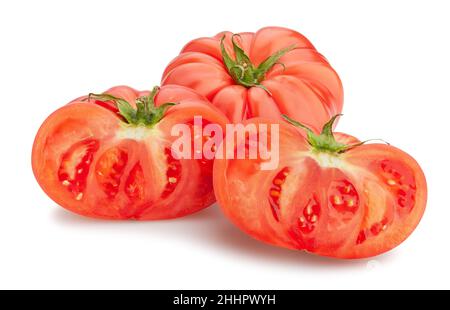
(275, 192)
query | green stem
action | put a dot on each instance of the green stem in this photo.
(325, 141)
(242, 69)
(145, 113)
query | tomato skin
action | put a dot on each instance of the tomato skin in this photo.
(305, 87)
(90, 162)
(358, 204)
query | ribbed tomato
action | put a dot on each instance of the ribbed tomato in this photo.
(111, 157)
(273, 71)
(330, 195)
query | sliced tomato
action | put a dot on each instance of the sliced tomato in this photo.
(90, 161)
(357, 202)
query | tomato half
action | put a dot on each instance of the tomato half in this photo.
(329, 195)
(89, 159)
(264, 74)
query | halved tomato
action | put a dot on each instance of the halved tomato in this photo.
(110, 156)
(330, 194)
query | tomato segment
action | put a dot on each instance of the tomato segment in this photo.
(401, 182)
(173, 173)
(135, 184)
(343, 196)
(75, 165)
(309, 217)
(109, 170)
(275, 192)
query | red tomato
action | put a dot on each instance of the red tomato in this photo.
(103, 158)
(272, 71)
(333, 198)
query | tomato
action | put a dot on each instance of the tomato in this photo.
(110, 156)
(330, 194)
(263, 74)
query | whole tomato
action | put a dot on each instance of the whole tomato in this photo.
(268, 73)
(330, 194)
(110, 156)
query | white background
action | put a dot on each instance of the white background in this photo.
(392, 56)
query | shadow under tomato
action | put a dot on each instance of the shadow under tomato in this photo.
(225, 235)
(210, 228)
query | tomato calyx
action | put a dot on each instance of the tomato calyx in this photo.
(325, 141)
(145, 114)
(243, 71)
